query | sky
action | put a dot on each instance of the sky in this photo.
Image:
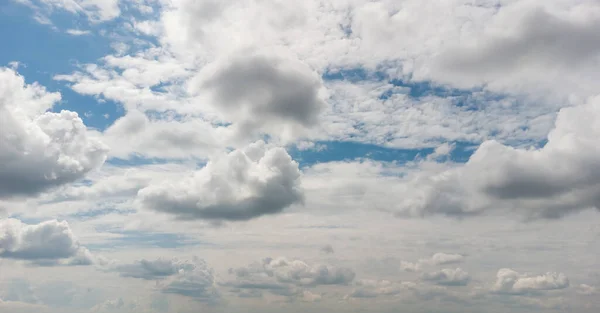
(179, 156)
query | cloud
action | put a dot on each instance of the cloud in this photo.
(327, 249)
(376, 288)
(511, 282)
(586, 290)
(549, 182)
(78, 32)
(40, 150)
(135, 134)
(95, 10)
(528, 41)
(285, 277)
(264, 94)
(439, 258)
(154, 269)
(196, 282)
(48, 243)
(445, 258)
(241, 185)
(448, 277)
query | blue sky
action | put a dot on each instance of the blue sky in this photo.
(322, 156)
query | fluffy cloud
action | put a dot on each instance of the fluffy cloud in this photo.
(285, 277)
(439, 258)
(260, 93)
(190, 278)
(527, 41)
(47, 243)
(196, 282)
(448, 277)
(511, 282)
(135, 134)
(39, 149)
(550, 182)
(241, 185)
(154, 269)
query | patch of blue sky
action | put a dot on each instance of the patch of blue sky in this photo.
(47, 50)
(332, 151)
(138, 160)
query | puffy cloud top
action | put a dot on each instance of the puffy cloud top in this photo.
(40, 149)
(241, 185)
(511, 282)
(48, 243)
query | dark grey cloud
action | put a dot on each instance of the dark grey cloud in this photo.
(260, 93)
(242, 185)
(541, 38)
(328, 249)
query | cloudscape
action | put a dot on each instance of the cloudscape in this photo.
(394, 156)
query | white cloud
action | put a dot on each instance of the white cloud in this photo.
(39, 149)
(586, 290)
(47, 243)
(78, 32)
(285, 277)
(241, 185)
(511, 282)
(448, 277)
(135, 134)
(95, 10)
(196, 282)
(154, 269)
(548, 182)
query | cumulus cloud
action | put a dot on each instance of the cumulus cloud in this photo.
(285, 277)
(264, 94)
(529, 41)
(448, 277)
(197, 282)
(560, 178)
(587, 290)
(511, 282)
(241, 185)
(48, 243)
(154, 269)
(190, 278)
(439, 258)
(39, 149)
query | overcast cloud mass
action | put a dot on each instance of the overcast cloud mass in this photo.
(179, 156)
